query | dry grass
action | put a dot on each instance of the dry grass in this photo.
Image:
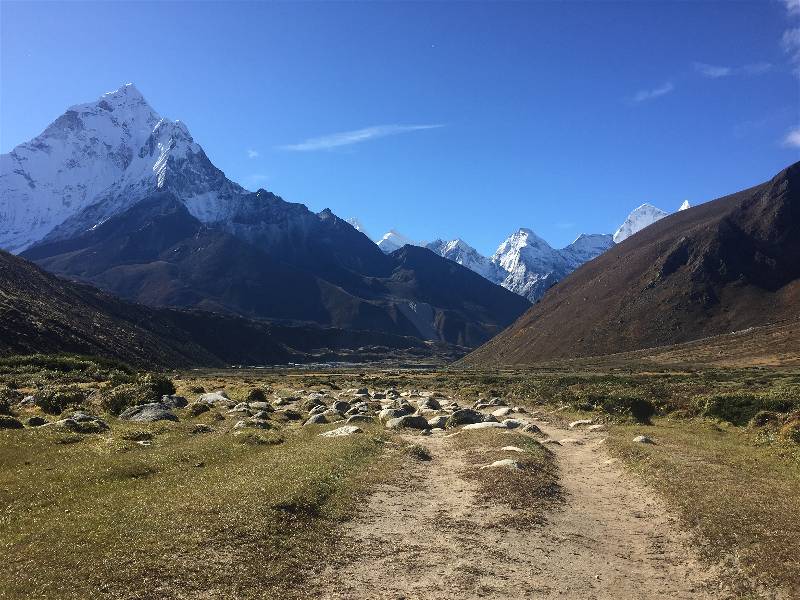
(738, 489)
(192, 515)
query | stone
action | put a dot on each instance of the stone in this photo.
(390, 413)
(36, 421)
(598, 427)
(551, 441)
(464, 416)
(360, 418)
(155, 411)
(410, 421)
(501, 412)
(575, 441)
(9, 422)
(242, 407)
(214, 398)
(317, 419)
(28, 401)
(580, 422)
(512, 423)
(643, 439)
(259, 405)
(429, 403)
(174, 401)
(253, 423)
(531, 428)
(437, 422)
(342, 431)
(341, 406)
(506, 463)
(318, 409)
(512, 449)
(485, 425)
(520, 409)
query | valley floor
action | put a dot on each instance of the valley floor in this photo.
(430, 535)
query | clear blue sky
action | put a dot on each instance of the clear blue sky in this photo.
(561, 117)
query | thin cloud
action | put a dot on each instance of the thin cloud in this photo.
(662, 90)
(792, 6)
(792, 139)
(347, 138)
(253, 153)
(791, 43)
(712, 71)
(758, 68)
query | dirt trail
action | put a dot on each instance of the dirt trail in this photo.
(429, 538)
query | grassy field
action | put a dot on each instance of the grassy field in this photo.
(158, 511)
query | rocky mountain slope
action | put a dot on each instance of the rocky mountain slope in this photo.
(723, 266)
(115, 195)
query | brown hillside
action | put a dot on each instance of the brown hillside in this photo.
(720, 267)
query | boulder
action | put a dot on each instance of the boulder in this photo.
(317, 419)
(429, 404)
(198, 408)
(501, 412)
(174, 401)
(512, 423)
(410, 421)
(531, 428)
(643, 439)
(253, 423)
(391, 413)
(201, 428)
(580, 422)
(341, 431)
(219, 397)
(341, 406)
(512, 449)
(360, 418)
(36, 421)
(464, 416)
(519, 409)
(260, 405)
(598, 427)
(9, 422)
(155, 411)
(318, 409)
(437, 422)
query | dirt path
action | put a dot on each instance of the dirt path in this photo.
(429, 538)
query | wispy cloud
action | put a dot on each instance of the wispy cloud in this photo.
(792, 6)
(712, 71)
(252, 153)
(791, 44)
(792, 138)
(757, 68)
(662, 90)
(347, 138)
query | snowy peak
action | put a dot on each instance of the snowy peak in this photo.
(462, 253)
(358, 226)
(394, 240)
(585, 248)
(685, 205)
(96, 160)
(640, 217)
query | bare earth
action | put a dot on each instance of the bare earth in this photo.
(430, 538)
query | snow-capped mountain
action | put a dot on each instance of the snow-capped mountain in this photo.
(98, 159)
(685, 205)
(462, 253)
(394, 240)
(586, 247)
(640, 217)
(358, 226)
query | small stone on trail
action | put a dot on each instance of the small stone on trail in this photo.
(342, 431)
(512, 449)
(486, 425)
(643, 439)
(571, 441)
(502, 412)
(506, 463)
(598, 427)
(580, 422)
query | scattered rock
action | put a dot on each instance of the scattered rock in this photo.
(437, 422)
(411, 421)
(317, 419)
(9, 422)
(551, 441)
(260, 405)
(342, 431)
(464, 416)
(253, 423)
(430, 404)
(360, 418)
(531, 428)
(512, 423)
(174, 401)
(520, 409)
(155, 411)
(575, 441)
(341, 406)
(506, 463)
(219, 397)
(598, 427)
(37, 421)
(502, 412)
(643, 439)
(580, 422)
(485, 425)
(201, 428)
(512, 449)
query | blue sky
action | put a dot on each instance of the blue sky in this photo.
(438, 119)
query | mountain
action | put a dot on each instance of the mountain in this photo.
(358, 226)
(394, 240)
(684, 205)
(723, 266)
(115, 195)
(640, 217)
(524, 263)
(41, 313)
(462, 253)
(100, 158)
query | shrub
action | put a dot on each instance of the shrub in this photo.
(256, 395)
(639, 409)
(147, 388)
(737, 408)
(54, 401)
(7, 398)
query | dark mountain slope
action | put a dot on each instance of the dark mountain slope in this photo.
(722, 266)
(41, 313)
(278, 261)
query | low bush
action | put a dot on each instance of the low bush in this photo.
(54, 400)
(256, 395)
(146, 389)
